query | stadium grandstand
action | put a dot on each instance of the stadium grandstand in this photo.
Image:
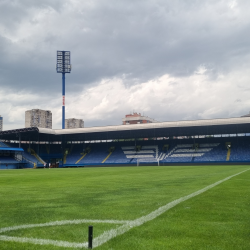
(222, 141)
(11, 157)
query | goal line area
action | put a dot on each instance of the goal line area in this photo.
(141, 161)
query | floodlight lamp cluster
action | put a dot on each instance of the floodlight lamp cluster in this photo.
(63, 62)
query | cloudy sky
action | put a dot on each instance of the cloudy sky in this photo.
(170, 60)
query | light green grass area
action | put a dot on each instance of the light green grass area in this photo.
(217, 219)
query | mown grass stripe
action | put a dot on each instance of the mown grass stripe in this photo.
(108, 235)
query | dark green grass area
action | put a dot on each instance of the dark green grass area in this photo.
(216, 219)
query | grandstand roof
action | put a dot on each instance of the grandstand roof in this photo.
(150, 130)
(11, 149)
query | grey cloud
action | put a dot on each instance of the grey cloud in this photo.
(136, 41)
(141, 40)
(13, 11)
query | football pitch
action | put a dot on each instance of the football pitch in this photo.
(181, 207)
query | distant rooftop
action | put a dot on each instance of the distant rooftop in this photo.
(247, 115)
(137, 118)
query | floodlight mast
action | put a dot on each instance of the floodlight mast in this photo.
(63, 66)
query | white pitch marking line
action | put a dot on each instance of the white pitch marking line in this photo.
(107, 235)
(44, 242)
(54, 223)
(59, 223)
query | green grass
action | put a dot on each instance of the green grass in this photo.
(66, 232)
(216, 219)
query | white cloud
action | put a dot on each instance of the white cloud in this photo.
(166, 98)
(170, 60)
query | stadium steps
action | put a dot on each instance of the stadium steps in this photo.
(81, 158)
(64, 158)
(4, 145)
(228, 154)
(66, 152)
(107, 157)
(131, 160)
(32, 151)
(31, 162)
(47, 148)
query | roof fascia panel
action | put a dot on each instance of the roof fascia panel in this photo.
(179, 124)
